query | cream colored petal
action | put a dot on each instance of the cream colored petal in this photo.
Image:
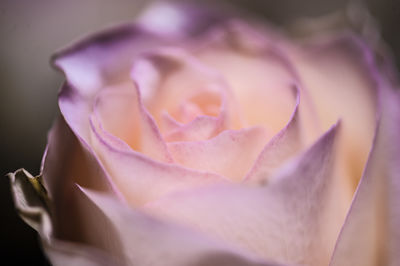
(371, 233)
(120, 112)
(339, 75)
(281, 148)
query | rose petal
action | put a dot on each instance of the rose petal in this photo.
(223, 153)
(120, 112)
(371, 234)
(283, 146)
(338, 73)
(140, 178)
(294, 219)
(143, 240)
(68, 161)
(104, 58)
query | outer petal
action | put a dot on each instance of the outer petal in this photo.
(67, 162)
(147, 241)
(293, 219)
(371, 233)
(337, 71)
(104, 58)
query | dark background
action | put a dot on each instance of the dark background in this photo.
(31, 30)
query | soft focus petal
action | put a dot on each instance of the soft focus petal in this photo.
(140, 178)
(371, 233)
(230, 154)
(67, 161)
(293, 219)
(143, 240)
(105, 58)
(120, 113)
(338, 73)
(283, 146)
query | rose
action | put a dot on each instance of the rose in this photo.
(239, 170)
(190, 138)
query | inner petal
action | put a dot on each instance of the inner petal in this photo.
(205, 102)
(188, 100)
(230, 154)
(120, 112)
(339, 73)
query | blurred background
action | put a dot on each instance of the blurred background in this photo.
(32, 30)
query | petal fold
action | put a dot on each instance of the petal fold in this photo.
(231, 153)
(283, 146)
(120, 113)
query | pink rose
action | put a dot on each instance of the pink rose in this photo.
(193, 138)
